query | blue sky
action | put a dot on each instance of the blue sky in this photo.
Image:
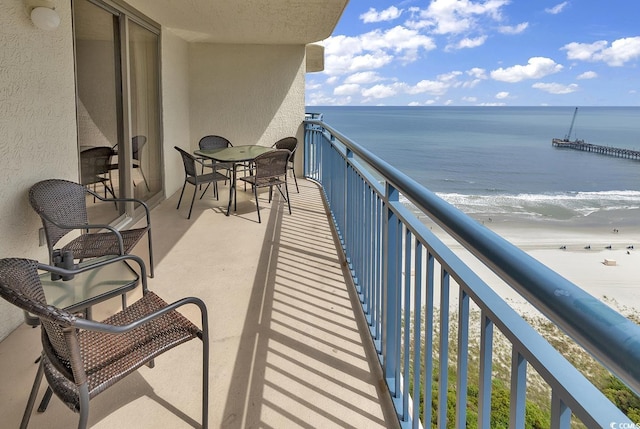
(482, 53)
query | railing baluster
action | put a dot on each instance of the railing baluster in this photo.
(417, 329)
(406, 348)
(428, 341)
(485, 370)
(463, 359)
(560, 413)
(443, 379)
(518, 390)
(391, 289)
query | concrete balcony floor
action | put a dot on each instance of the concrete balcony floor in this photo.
(287, 347)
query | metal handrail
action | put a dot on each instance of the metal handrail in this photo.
(611, 338)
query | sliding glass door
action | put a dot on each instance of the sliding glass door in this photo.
(117, 75)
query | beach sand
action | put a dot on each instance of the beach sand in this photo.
(576, 250)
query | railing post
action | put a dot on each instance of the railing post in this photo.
(391, 292)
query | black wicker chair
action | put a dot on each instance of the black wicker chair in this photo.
(95, 167)
(215, 142)
(137, 142)
(290, 144)
(270, 169)
(82, 358)
(62, 206)
(191, 176)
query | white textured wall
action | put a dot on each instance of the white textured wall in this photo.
(175, 107)
(37, 127)
(251, 94)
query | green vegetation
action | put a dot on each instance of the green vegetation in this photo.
(537, 411)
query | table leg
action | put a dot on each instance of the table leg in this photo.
(232, 189)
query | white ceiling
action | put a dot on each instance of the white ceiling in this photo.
(246, 21)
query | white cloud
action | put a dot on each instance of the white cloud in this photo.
(363, 77)
(470, 99)
(332, 80)
(347, 89)
(372, 15)
(513, 29)
(397, 39)
(492, 104)
(370, 61)
(372, 50)
(477, 72)
(502, 95)
(536, 68)
(620, 52)
(556, 88)
(588, 75)
(320, 99)
(471, 83)
(557, 8)
(468, 43)
(440, 86)
(380, 91)
(456, 16)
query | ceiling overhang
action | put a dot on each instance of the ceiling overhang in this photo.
(268, 22)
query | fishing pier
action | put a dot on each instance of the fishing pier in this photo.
(603, 150)
(567, 143)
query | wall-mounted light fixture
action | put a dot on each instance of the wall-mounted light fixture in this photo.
(43, 14)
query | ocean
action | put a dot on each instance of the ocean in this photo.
(499, 163)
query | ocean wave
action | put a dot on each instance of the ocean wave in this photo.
(548, 205)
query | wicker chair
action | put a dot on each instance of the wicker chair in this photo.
(82, 358)
(137, 142)
(62, 207)
(290, 144)
(215, 142)
(95, 166)
(270, 169)
(191, 176)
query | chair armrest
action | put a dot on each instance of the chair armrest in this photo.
(77, 270)
(131, 200)
(91, 226)
(91, 325)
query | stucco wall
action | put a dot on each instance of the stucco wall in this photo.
(251, 94)
(175, 107)
(37, 127)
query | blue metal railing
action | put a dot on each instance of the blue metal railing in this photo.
(407, 280)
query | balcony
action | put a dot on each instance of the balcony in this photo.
(288, 343)
(312, 321)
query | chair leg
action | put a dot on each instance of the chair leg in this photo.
(205, 370)
(145, 179)
(32, 396)
(255, 192)
(150, 253)
(195, 191)
(286, 189)
(83, 393)
(286, 197)
(203, 192)
(181, 193)
(293, 170)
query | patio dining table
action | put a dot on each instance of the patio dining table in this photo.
(235, 155)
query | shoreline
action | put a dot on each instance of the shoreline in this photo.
(576, 250)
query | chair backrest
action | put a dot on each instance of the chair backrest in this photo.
(59, 201)
(93, 163)
(189, 162)
(272, 164)
(137, 142)
(288, 143)
(20, 285)
(213, 142)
